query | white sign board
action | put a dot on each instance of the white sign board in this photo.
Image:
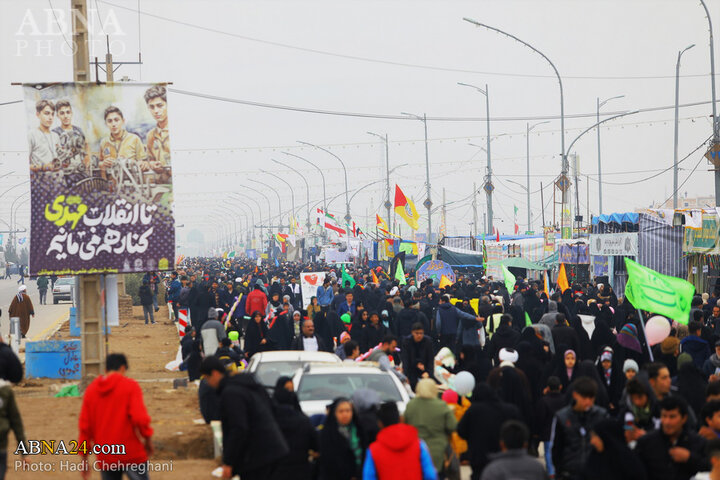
(614, 244)
(309, 281)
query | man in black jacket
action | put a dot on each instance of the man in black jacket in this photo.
(504, 337)
(252, 441)
(673, 452)
(307, 340)
(417, 355)
(571, 430)
(564, 334)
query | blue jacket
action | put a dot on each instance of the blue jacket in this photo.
(324, 296)
(698, 349)
(447, 321)
(174, 290)
(345, 308)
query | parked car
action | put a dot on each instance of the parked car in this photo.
(269, 366)
(318, 385)
(63, 290)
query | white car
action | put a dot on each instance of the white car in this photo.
(318, 385)
(269, 366)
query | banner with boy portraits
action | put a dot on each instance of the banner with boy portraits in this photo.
(100, 178)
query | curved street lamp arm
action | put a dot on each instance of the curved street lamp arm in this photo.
(595, 125)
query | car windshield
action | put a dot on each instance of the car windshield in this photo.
(330, 386)
(267, 373)
(65, 281)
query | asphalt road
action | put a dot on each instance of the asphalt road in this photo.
(45, 315)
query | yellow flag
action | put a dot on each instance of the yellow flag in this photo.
(406, 208)
(444, 282)
(562, 281)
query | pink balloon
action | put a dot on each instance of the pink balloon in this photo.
(657, 329)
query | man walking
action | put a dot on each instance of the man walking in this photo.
(252, 441)
(42, 284)
(113, 413)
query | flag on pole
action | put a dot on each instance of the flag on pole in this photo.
(444, 282)
(515, 212)
(374, 277)
(528, 322)
(484, 253)
(509, 279)
(231, 254)
(331, 224)
(400, 274)
(346, 277)
(562, 281)
(406, 208)
(657, 293)
(225, 255)
(547, 285)
(381, 225)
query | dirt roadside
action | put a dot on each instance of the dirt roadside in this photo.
(182, 447)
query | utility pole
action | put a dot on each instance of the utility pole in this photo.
(89, 287)
(677, 126)
(474, 205)
(443, 229)
(578, 217)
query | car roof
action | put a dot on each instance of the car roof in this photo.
(297, 355)
(343, 369)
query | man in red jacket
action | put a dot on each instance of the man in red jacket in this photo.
(256, 301)
(397, 452)
(112, 418)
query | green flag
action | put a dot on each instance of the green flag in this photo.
(528, 322)
(400, 274)
(509, 279)
(657, 293)
(346, 277)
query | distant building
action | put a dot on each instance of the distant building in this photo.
(706, 201)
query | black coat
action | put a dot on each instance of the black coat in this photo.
(504, 337)
(337, 461)
(10, 367)
(565, 335)
(251, 436)
(190, 351)
(413, 354)
(254, 333)
(371, 336)
(209, 402)
(616, 461)
(146, 297)
(652, 449)
(480, 425)
(297, 344)
(300, 437)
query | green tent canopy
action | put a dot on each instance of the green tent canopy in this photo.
(517, 262)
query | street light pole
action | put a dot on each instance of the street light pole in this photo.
(716, 121)
(599, 106)
(677, 124)
(527, 169)
(564, 169)
(488, 185)
(307, 189)
(428, 202)
(292, 192)
(279, 201)
(388, 203)
(347, 199)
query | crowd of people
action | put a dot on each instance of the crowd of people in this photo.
(523, 385)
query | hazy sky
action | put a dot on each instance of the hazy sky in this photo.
(600, 48)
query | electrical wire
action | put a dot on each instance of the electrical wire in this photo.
(660, 172)
(57, 22)
(430, 118)
(684, 181)
(389, 62)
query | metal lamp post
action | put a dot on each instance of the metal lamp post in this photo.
(529, 128)
(599, 106)
(347, 198)
(716, 121)
(278, 199)
(565, 166)
(677, 124)
(388, 203)
(292, 192)
(488, 185)
(307, 189)
(428, 202)
(597, 124)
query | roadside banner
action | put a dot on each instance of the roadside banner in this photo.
(100, 178)
(309, 281)
(657, 293)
